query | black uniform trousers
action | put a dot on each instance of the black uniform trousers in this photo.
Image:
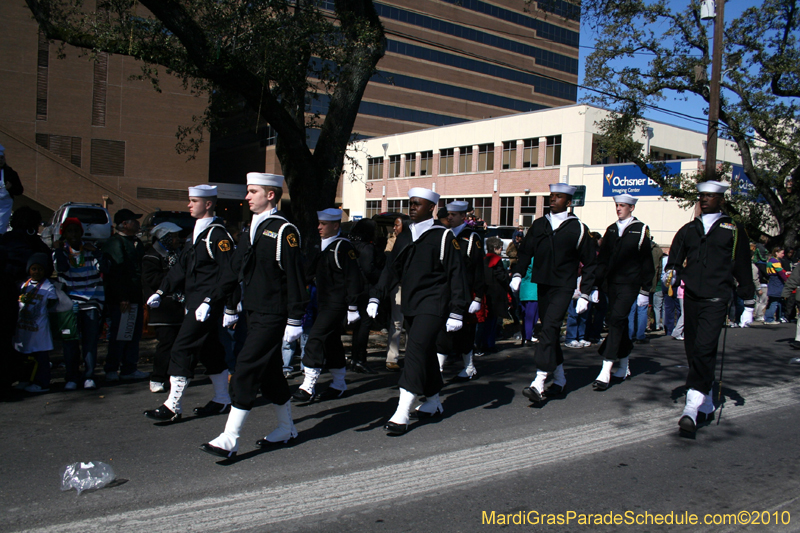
(620, 300)
(553, 304)
(701, 328)
(361, 334)
(166, 336)
(421, 374)
(456, 342)
(259, 364)
(198, 342)
(325, 340)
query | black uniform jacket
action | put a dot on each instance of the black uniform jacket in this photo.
(713, 260)
(431, 286)
(199, 269)
(337, 276)
(155, 267)
(627, 258)
(557, 254)
(472, 253)
(272, 271)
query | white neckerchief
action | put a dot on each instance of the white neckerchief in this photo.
(622, 224)
(459, 229)
(257, 220)
(199, 227)
(418, 228)
(709, 219)
(327, 241)
(556, 219)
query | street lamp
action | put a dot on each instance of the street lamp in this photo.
(707, 12)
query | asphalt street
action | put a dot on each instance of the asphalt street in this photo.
(587, 453)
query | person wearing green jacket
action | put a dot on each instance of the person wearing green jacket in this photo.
(529, 300)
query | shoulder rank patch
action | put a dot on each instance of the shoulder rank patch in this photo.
(224, 245)
(455, 245)
(478, 243)
(292, 240)
(351, 254)
(268, 233)
(646, 232)
(726, 225)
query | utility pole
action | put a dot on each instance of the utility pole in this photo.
(714, 100)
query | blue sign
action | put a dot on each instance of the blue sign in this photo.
(629, 179)
(743, 183)
(357, 217)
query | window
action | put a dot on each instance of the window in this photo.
(411, 165)
(481, 207)
(426, 163)
(486, 157)
(507, 211)
(99, 86)
(398, 206)
(527, 210)
(375, 168)
(394, 166)
(530, 153)
(509, 155)
(107, 157)
(43, 61)
(68, 148)
(552, 154)
(446, 158)
(465, 159)
(373, 208)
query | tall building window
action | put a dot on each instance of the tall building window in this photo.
(465, 159)
(373, 208)
(482, 206)
(509, 155)
(446, 158)
(426, 163)
(411, 165)
(394, 166)
(552, 154)
(486, 157)
(530, 153)
(398, 206)
(527, 210)
(507, 211)
(107, 157)
(375, 168)
(43, 62)
(99, 86)
(68, 148)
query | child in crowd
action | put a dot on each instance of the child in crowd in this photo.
(497, 298)
(529, 299)
(32, 336)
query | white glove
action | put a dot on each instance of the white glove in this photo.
(154, 301)
(292, 333)
(642, 300)
(202, 312)
(747, 317)
(453, 325)
(595, 296)
(353, 316)
(576, 294)
(229, 320)
(372, 309)
(515, 283)
(474, 307)
(582, 305)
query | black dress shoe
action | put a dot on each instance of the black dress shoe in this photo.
(464, 379)
(219, 452)
(362, 368)
(264, 443)
(532, 394)
(395, 429)
(599, 385)
(213, 408)
(554, 390)
(162, 413)
(330, 394)
(687, 424)
(703, 417)
(301, 395)
(416, 414)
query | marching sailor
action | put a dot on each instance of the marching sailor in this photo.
(269, 264)
(339, 286)
(461, 342)
(625, 265)
(197, 274)
(558, 243)
(427, 263)
(716, 250)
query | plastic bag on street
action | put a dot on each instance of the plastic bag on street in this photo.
(84, 476)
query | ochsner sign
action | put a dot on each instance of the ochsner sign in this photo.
(622, 179)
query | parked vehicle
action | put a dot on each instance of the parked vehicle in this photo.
(181, 218)
(94, 217)
(504, 233)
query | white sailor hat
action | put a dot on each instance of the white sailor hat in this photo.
(421, 192)
(165, 228)
(267, 180)
(203, 191)
(625, 199)
(563, 188)
(330, 215)
(458, 206)
(713, 186)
